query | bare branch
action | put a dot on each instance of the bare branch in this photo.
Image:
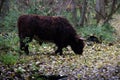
(112, 11)
(100, 14)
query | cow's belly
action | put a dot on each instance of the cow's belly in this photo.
(43, 39)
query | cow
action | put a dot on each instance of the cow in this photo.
(53, 29)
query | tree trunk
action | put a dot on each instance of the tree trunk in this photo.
(1, 5)
(4, 8)
(100, 10)
(74, 12)
(84, 8)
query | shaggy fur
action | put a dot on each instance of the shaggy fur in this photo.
(45, 28)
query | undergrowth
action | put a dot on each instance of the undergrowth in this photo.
(9, 59)
(105, 33)
(9, 47)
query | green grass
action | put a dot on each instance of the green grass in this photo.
(9, 41)
(105, 33)
(9, 48)
(9, 59)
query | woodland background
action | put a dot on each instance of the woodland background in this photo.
(97, 18)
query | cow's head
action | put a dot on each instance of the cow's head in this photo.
(78, 45)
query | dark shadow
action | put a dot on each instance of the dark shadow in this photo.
(50, 77)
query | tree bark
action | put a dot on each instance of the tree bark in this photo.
(84, 8)
(74, 12)
(4, 8)
(1, 5)
(100, 10)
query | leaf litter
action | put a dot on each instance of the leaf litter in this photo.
(99, 61)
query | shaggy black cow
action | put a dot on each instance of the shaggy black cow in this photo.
(45, 28)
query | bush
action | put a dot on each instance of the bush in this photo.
(10, 20)
(8, 59)
(105, 33)
(9, 42)
(9, 48)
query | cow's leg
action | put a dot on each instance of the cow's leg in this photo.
(24, 41)
(24, 47)
(59, 49)
(40, 43)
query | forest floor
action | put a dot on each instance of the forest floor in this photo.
(98, 62)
